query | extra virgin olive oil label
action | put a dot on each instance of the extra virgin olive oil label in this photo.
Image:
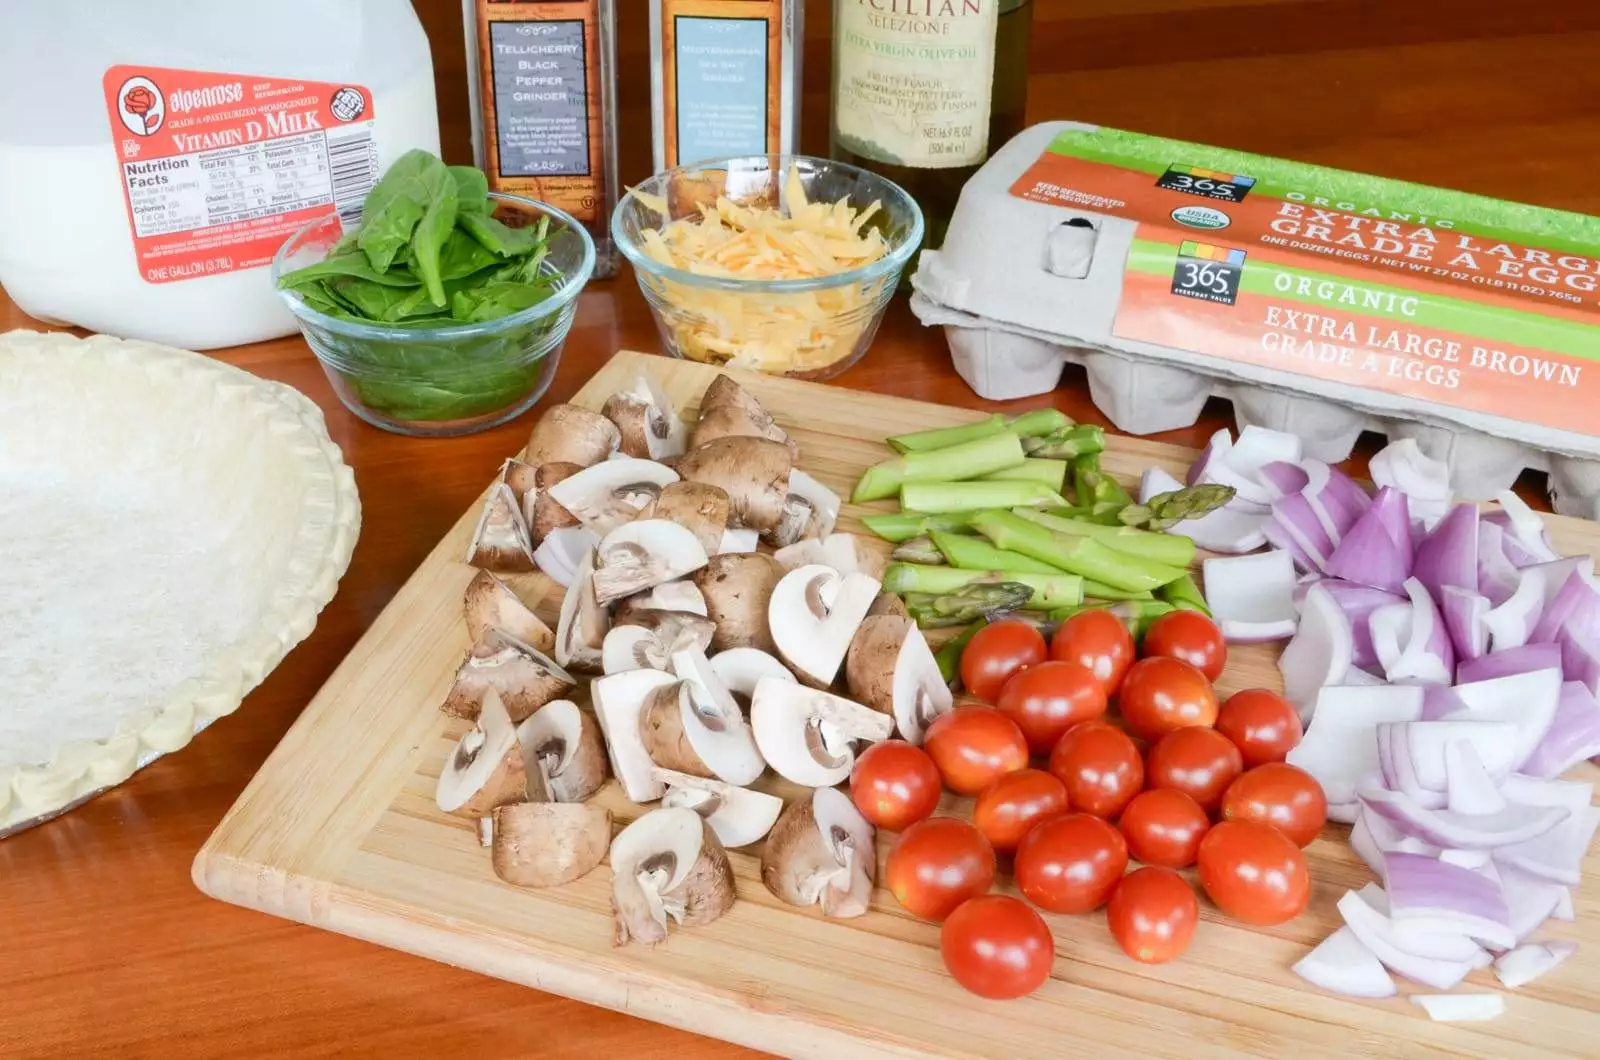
(219, 170)
(912, 80)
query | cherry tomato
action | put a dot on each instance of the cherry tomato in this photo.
(1152, 915)
(1282, 796)
(997, 651)
(1254, 873)
(1164, 827)
(1048, 699)
(1263, 724)
(1190, 636)
(1161, 694)
(1071, 864)
(937, 864)
(997, 947)
(1009, 807)
(1100, 767)
(895, 784)
(973, 746)
(1201, 763)
(1098, 640)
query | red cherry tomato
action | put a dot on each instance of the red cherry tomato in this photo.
(1071, 864)
(1190, 636)
(895, 784)
(1100, 766)
(1161, 694)
(1263, 724)
(1280, 795)
(1048, 699)
(1201, 763)
(1012, 805)
(1152, 915)
(937, 864)
(998, 651)
(1254, 873)
(997, 947)
(1098, 640)
(1164, 827)
(973, 746)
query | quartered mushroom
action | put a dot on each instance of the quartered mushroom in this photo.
(572, 435)
(808, 736)
(737, 587)
(820, 852)
(696, 726)
(668, 596)
(891, 669)
(641, 555)
(612, 492)
(523, 677)
(740, 669)
(523, 478)
(667, 866)
(562, 551)
(809, 510)
(561, 743)
(581, 630)
(647, 421)
(501, 542)
(738, 539)
(739, 816)
(813, 614)
(753, 472)
(845, 553)
(548, 515)
(485, 769)
(618, 702)
(727, 410)
(698, 507)
(547, 844)
(490, 602)
(650, 638)
(888, 604)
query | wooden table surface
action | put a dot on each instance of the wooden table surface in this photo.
(106, 948)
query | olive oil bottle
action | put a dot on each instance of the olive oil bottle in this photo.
(924, 90)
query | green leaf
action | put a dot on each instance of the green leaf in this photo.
(496, 299)
(438, 222)
(501, 238)
(472, 189)
(462, 256)
(349, 263)
(377, 302)
(397, 203)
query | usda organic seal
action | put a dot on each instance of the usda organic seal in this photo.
(1201, 217)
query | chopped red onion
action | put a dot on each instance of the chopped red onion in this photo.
(1556, 855)
(1342, 965)
(1439, 702)
(1397, 766)
(1574, 733)
(1494, 743)
(1571, 599)
(1377, 932)
(1373, 836)
(1252, 597)
(1461, 1008)
(1373, 552)
(1524, 964)
(1339, 746)
(1216, 464)
(1295, 515)
(1497, 575)
(1344, 499)
(1403, 466)
(1358, 602)
(1229, 529)
(1530, 900)
(1156, 481)
(1463, 612)
(1449, 554)
(1512, 622)
(1517, 823)
(1320, 653)
(1528, 700)
(1469, 787)
(1519, 660)
(1410, 640)
(1258, 446)
(1564, 911)
(1527, 541)
(1447, 898)
(1282, 478)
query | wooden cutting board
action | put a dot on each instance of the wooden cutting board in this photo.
(339, 830)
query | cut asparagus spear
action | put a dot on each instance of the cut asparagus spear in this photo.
(1166, 510)
(958, 462)
(1094, 486)
(1093, 590)
(976, 553)
(903, 526)
(985, 602)
(1079, 555)
(1185, 595)
(1046, 422)
(940, 497)
(1049, 590)
(1052, 473)
(1174, 550)
(1135, 614)
(918, 550)
(1083, 440)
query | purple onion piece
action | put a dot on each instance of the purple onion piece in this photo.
(1449, 554)
(1573, 735)
(1519, 660)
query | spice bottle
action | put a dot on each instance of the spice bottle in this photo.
(542, 77)
(724, 78)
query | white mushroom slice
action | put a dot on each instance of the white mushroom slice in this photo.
(853, 554)
(489, 601)
(501, 540)
(753, 472)
(485, 769)
(618, 702)
(891, 669)
(738, 592)
(821, 852)
(803, 553)
(672, 596)
(696, 727)
(561, 742)
(813, 614)
(569, 434)
(612, 492)
(544, 514)
(740, 669)
(547, 844)
(523, 480)
(524, 677)
(739, 539)
(647, 421)
(888, 604)
(650, 638)
(562, 550)
(700, 508)
(668, 864)
(739, 816)
(809, 510)
(581, 631)
(643, 554)
(807, 735)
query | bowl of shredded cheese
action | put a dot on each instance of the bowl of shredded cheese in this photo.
(776, 263)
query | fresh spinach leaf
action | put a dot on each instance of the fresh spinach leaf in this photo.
(438, 221)
(380, 303)
(494, 235)
(349, 263)
(398, 202)
(496, 299)
(462, 256)
(472, 189)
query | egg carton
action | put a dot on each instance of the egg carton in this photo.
(1011, 328)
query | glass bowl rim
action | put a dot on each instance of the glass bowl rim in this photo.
(890, 263)
(571, 284)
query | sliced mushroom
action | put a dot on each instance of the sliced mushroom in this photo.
(809, 510)
(501, 541)
(561, 742)
(524, 482)
(581, 630)
(647, 421)
(739, 816)
(696, 727)
(547, 844)
(807, 735)
(485, 770)
(641, 555)
(572, 435)
(698, 507)
(548, 514)
(618, 702)
(612, 492)
(562, 551)
(853, 554)
(753, 472)
(524, 677)
(668, 864)
(737, 587)
(888, 604)
(813, 614)
(650, 638)
(891, 669)
(804, 553)
(668, 596)
(739, 539)
(821, 852)
(727, 410)
(740, 669)
(490, 602)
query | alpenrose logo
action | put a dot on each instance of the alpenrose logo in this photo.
(140, 106)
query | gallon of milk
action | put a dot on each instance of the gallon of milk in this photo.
(153, 158)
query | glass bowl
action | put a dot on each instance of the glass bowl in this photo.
(812, 328)
(454, 379)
